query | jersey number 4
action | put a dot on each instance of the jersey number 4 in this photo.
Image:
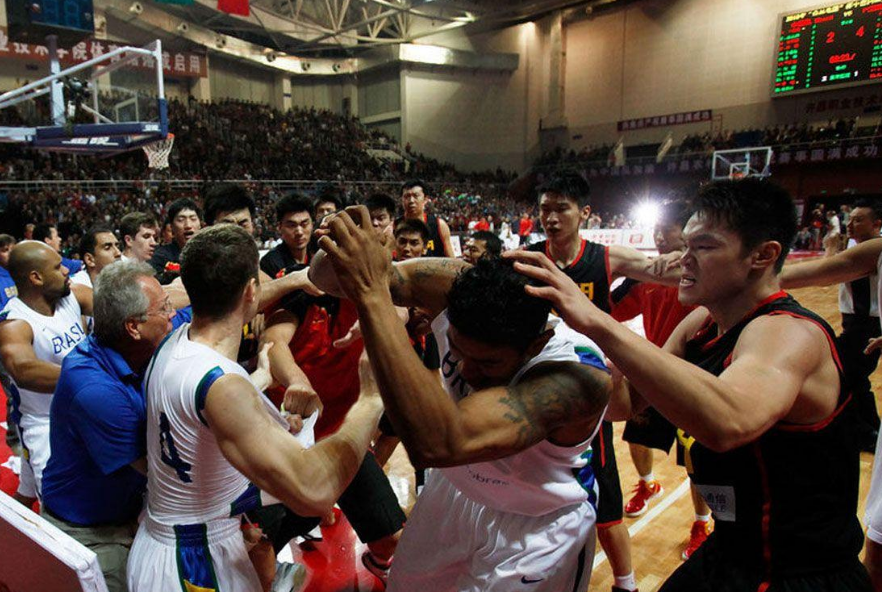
(169, 453)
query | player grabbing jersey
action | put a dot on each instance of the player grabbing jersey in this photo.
(210, 433)
(510, 504)
(755, 379)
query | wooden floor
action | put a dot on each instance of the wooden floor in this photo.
(658, 538)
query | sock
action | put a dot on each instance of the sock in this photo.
(379, 562)
(628, 582)
(702, 518)
(648, 478)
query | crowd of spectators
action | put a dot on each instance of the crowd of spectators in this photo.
(243, 141)
(779, 135)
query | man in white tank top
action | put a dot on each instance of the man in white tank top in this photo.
(862, 260)
(37, 330)
(211, 434)
(511, 504)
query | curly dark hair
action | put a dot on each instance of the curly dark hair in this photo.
(488, 303)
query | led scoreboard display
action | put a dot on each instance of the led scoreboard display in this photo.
(30, 21)
(833, 46)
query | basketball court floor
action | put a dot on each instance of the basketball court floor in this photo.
(657, 537)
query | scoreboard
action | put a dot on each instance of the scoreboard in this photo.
(832, 46)
(30, 21)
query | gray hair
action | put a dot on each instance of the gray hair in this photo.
(118, 297)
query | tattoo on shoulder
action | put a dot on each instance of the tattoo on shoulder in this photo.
(552, 395)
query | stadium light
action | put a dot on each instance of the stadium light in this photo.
(646, 214)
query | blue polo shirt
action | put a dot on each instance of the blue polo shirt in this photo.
(73, 265)
(98, 426)
(7, 287)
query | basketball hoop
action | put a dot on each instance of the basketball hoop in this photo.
(157, 152)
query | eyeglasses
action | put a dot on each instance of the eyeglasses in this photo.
(166, 310)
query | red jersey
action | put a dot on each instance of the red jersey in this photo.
(658, 304)
(332, 372)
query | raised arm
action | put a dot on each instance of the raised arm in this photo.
(758, 389)
(857, 262)
(309, 481)
(631, 263)
(272, 290)
(20, 360)
(562, 401)
(422, 282)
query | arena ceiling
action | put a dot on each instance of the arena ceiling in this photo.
(338, 28)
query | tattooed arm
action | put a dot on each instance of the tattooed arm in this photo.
(558, 401)
(561, 401)
(422, 282)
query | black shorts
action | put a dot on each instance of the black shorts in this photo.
(650, 429)
(710, 569)
(606, 473)
(370, 504)
(279, 524)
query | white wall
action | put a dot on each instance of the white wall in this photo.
(235, 80)
(479, 120)
(321, 93)
(658, 57)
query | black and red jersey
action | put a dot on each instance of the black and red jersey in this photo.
(785, 503)
(590, 270)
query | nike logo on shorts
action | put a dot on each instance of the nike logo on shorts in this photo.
(526, 580)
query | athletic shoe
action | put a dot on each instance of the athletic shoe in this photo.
(376, 567)
(697, 536)
(643, 492)
(290, 577)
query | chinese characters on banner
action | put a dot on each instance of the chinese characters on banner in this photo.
(869, 103)
(666, 120)
(782, 156)
(176, 65)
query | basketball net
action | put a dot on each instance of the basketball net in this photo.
(157, 152)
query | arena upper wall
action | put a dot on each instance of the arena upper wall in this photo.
(576, 77)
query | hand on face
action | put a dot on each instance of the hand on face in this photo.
(361, 261)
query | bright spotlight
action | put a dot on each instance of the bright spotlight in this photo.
(646, 214)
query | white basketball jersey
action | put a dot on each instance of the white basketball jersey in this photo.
(54, 338)
(189, 480)
(867, 301)
(535, 481)
(82, 278)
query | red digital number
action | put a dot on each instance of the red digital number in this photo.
(861, 31)
(831, 36)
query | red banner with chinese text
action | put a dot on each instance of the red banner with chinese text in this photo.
(174, 64)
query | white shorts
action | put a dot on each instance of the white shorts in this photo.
(453, 544)
(35, 454)
(194, 557)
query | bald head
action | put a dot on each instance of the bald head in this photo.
(36, 267)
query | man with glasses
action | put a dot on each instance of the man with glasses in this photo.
(95, 480)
